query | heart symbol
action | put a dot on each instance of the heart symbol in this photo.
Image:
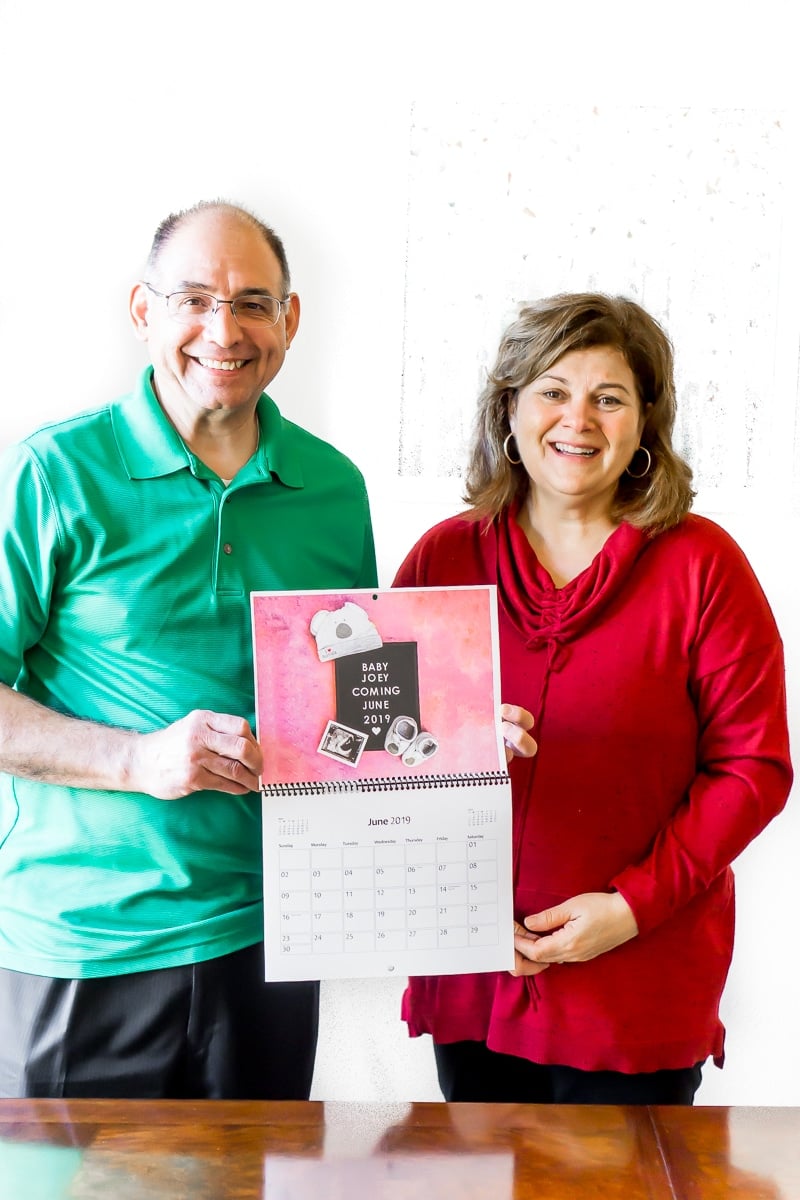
(376, 729)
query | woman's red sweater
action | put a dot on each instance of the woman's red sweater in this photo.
(656, 679)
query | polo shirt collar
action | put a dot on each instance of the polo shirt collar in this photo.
(149, 444)
(278, 454)
(151, 447)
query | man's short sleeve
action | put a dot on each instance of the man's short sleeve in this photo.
(30, 539)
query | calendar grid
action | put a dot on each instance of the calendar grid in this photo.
(393, 896)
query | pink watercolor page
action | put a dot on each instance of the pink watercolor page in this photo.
(455, 631)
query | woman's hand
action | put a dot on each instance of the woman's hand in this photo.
(516, 723)
(575, 931)
(522, 965)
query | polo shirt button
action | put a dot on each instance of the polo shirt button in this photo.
(228, 548)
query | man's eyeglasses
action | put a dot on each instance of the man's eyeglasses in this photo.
(198, 307)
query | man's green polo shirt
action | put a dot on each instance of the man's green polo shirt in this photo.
(126, 567)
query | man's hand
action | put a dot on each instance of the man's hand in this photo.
(516, 724)
(203, 750)
(575, 931)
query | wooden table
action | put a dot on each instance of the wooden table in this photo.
(236, 1150)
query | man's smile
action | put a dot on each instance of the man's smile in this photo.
(222, 364)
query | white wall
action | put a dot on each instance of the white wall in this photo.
(395, 149)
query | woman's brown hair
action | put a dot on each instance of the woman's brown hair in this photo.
(542, 333)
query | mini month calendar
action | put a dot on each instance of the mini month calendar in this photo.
(386, 800)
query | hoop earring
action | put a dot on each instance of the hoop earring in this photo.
(641, 474)
(515, 462)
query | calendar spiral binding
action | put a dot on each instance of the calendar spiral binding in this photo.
(391, 783)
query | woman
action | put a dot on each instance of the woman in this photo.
(640, 640)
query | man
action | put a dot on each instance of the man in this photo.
(131, 961)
